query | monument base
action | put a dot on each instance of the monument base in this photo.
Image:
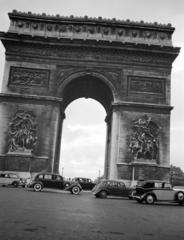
(133, 172)
(24, 163)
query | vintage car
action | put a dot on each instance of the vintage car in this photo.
(155, 191)
(86, 183)
(55, 181)
(10, 179)
(111, 188)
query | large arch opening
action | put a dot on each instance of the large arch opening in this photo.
(87, 101)
(88, 86)
(83, 140)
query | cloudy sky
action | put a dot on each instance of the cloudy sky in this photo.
(84, 132)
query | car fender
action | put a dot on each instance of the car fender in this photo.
(176, 195)
(147, 193)
(15, 183)
(73, 185)
(38, 182)
(102, 189)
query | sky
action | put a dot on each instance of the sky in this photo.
(84, 129)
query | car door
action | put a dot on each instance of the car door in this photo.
(90, 184)
(164, 192)
(121, 189)
(58, 182)
(3, 180)
(48, 182)
(113, 188)
(7, 179)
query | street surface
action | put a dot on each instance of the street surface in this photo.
(58, 215)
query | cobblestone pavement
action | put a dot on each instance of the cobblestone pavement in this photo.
(58, 215)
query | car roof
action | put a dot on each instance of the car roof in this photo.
(111, 180)
(48, 173)
(82, 177)
(155, 181)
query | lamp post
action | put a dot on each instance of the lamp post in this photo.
(62, 172)
(99, 172)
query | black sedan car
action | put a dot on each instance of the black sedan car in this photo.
(86, 183)
(55, 181)
(111, 188)
(158, 191)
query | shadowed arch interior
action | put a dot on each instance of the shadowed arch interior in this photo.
(88, 87)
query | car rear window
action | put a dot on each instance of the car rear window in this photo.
(40, 176)
(121, 185)
(57, 178)
(148, 185)
(48, 176)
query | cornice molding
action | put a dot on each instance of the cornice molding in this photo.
(21, 97)
(87, 28)
(142, 106)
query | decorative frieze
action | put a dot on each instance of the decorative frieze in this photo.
(146, 85)
(91, 28)
(29, 77)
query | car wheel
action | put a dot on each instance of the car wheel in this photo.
(103, 194)
(15, 184)
(37, 187)
(150, 199)
(75, 190)
(180, 197)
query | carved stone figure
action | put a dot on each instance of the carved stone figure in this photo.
(144, 139)
(22, 132)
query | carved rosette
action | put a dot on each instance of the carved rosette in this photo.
(22, 133)
(143, 141)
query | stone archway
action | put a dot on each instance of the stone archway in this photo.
(53, 60)
(88, 84)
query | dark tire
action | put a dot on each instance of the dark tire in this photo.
(75, 190)
(15, 184)
(103, 194)
(37, 187)
(180, 197)
(150, 199)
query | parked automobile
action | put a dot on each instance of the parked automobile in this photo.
(86, 183)
(10, 179)
(178, 188)
(55, 181)
(155, 191)
(111, 188)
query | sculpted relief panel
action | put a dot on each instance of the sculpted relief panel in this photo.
(140, 85)
(29, 77)
(144, 139)
(22, 132)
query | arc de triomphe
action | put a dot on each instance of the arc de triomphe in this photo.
(124, 65)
